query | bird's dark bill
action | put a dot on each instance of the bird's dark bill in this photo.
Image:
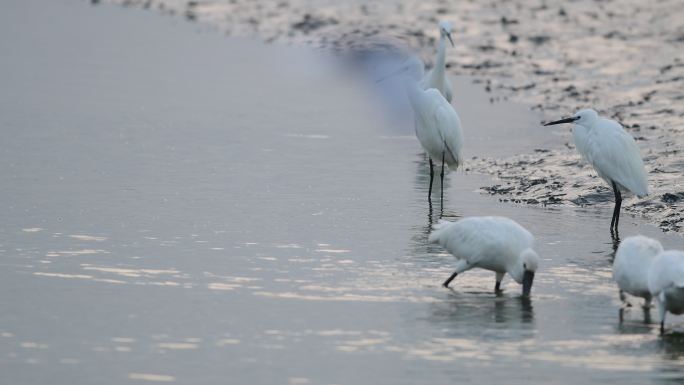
(566, 120)
(527, 280)
(451, 41)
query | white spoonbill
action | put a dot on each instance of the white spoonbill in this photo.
(437, 124)
(493, 243)
(632, 262)
(666, 283)
(612, 152)
(437, 77)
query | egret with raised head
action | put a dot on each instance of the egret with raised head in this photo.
(437, 77)
(437, 124)
(612, 152)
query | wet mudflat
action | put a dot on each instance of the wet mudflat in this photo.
(178, 206)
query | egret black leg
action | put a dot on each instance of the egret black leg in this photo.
(662, 327)
(497, 287)
(448, 281)
(432, 174)
(616, 211)
(442, 179)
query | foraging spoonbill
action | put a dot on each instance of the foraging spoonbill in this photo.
(492, 243)
(437, 124)
(666, 283)
(437, 77)
(631, 266)
(612, 152)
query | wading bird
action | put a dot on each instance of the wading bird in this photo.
(666, 283)
(437, 124)
(612, 152)
(437, 77)
(630, 268)
(492, 243)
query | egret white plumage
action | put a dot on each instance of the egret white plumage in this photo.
(492, 243)
(612, 152)
(437, 124)
(631, 265)
(437, 77)
(666, 283)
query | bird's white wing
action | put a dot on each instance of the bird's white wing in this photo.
(632, 262)
(615, 156)
(475, 238)
(666, 271)
(449, 126)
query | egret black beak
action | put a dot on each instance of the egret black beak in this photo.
(528, 278)
(451, 41)
(392, 74)
(566, 120)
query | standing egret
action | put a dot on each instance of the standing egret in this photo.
(437, 77)
(612, 152)
(630, 269)
(437, 124)
(666, 283)
(493, 243)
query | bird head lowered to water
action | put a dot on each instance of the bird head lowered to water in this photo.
(585, 117)
(524, 269)
(445, 30)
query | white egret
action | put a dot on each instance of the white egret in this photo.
(437, 77)
(437, 124)
(630, 269)
(666, 283)
(493, 243)
(612, 152)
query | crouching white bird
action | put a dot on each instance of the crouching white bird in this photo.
(666, 283)
(493, 243)
(437, 124)
(631, 266)
(612, 152)
(437, 77)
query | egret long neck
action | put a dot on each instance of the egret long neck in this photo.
(440, 60)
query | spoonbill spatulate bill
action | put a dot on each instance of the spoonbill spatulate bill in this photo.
(438, 126)
(612, 152)
(437, 77)
(631, 265)
(497, 244)
(666, 283)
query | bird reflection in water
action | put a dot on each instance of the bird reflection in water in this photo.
(484, 310)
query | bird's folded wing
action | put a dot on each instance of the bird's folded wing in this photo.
(614, 154)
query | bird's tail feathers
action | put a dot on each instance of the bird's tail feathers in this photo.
(437, 230)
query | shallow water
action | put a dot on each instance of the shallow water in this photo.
(181, 207)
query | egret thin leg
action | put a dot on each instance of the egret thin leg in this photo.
(442, 179)
(432, 174)
(616, 211)
(448, 281)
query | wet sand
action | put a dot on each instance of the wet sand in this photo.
(621, 57)
(172, 214)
